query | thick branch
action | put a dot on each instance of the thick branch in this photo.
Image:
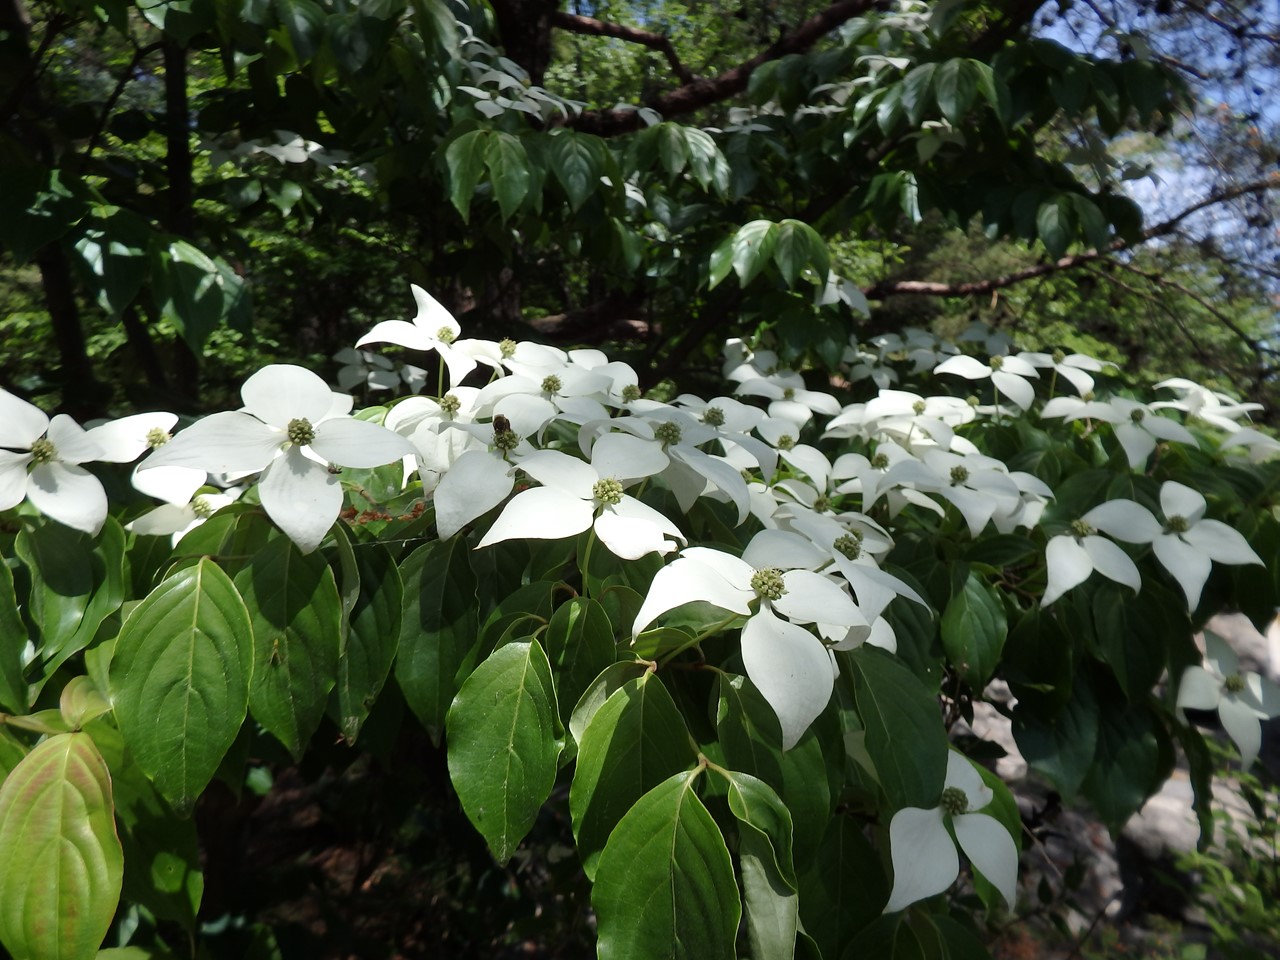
(930, 288)
(592, 27)
(709, 90)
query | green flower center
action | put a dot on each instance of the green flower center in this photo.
(1137, 415)
(972, 401)
(507, 347)
(996, 363)
(446, 335)
(821, 504)
(506, 440)
(300, 431)
(1058, 356)
(551, 384)
(201, 507)
(959, 475)
(157, 438)
(789, 393)
(1179, 525)
(880, 461)
(786, 442)
(1089, 396)
(713, 417)
(767, 583)
(1233, 683)
(918, 407)
(850, 545)
(43, 450)
(607, 491)
(667, 433)
(1082, 529)
(630, 393)
(954, 801)
(450, 404)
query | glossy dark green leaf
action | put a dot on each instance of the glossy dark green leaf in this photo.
(633, 742)
(504, 739)
(465, 159)
(665, 886)
(904, 734)
(576, 165)
(579, 642)
(915, 93)
(606, 683)
(180, 679)
(1134, 632)
(297, 622)
(61, 864)
(844, 889)
(373, 636)
(1055, 224)
(764, 856)
(13, 638)
(1132, 759)
(753, 248)
(508, 164)
(798, 246)
(955, 84)
(438, 628)
(1059, 743)
(973, 631)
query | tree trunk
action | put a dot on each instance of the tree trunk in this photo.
(180, 217)
(524, 26)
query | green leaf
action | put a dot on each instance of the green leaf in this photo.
(508, 164)
(973, 631)
(465, 159)
(752, 248)
(37, 206)
(195, 292)
(575, 165)
(844, 889)
(673, 149)
(504, 743)
(665, 886)
(304, 21)
(764, 855)
(293, 602)
(721, 264)
(80, 702)
(1092, 222)
(1059, 744)
(915, 91)
(14, 697)
(633, 742)
(797, 245)
(706, 162)
(180, 679)
(609, 680)
(955, 84)
(61, 865)
(580, 644)
(183, 20)
(1002, 550)
(437, 630)
(750, 737)
(1134, 633)
(905, 737)
(373, 636)
(1055, 224)
(77, 581)
(1130, 763)
(113, 256)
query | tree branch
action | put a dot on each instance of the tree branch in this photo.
(930, 288)
(708, 90)
(574, 23)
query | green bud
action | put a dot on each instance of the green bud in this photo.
(849, 545)
(43, 451)
(821, 504)
(789, 393)
(507, 347)
(300, 431)
(959, 475)
(667, 432)
(996, 362)
(918, 407)
(551, 384)
(1058, 356)
(1137, 415)
(201, 507)
(450, 404)
(607, 491)
(767, 583)
(1179, 525)
(157, 438)
(446, 335)
(1082, 529)
(630, 393)
(954, 801)
(786, 442)
(880, 461)
(505, 440)
(713, 417)
(1233, 683)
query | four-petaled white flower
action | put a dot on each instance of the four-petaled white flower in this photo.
(1009, 375)
(291, 429)
(1242, 698)
(1188, 544)
(40, 461)
(924, 855)
(1072, 557)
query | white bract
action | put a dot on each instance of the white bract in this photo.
(1243, 699)
(1010, 375)
(1189, 542)
(40, 461)
(291, 429)
(923, 854)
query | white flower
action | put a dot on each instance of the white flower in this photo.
(923, 854)
(365, 368)
(1136, 427)
(1008, 374)
(40, 461)
(433, 328)
(1242, 699)
(126, 439)
(1071, 368)
(178, 520)
(1189, 543)
(292, 427)
(1072, 557)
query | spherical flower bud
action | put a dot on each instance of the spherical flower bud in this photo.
(767, 583)
(300, 431)
(849, 546)
(551, 384)
(880, 461)
(713, 417)
(507, 347)
(786, 442)
(667, 433)
(446, 335)
(607, 491)
(157, 438)
(43, 451)
(954, 801)
(630, 393)
(450, 404)
(959, 475)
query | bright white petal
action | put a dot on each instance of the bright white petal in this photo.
(72, 441)
(1189, 566)
(684, 581)
(567, 474)
(924, 858)
(1124, 520)
(1069, 565)
(1179, 500)
(812, 598)
(1077, 378)
(229, 442)
(68, 494)
(1199, 689)
(782, 549)
(125, 440)
(359, 443)
(627, 458)
(432, 316)
(399, 332)
(13, 478)
(1015, 388)
(976, 508)
(1221, 542)
(631, 537)
(633, 509)
(541, 513)
(476, 483)
(21, 423)
(1137, 443)
(991, 850)
(962, 775)
(302, 497)
(281, 392)
(964, 366)
(1242, 726)
(162, 521)
(792, 670)
(176, 485)
(1112, 562)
